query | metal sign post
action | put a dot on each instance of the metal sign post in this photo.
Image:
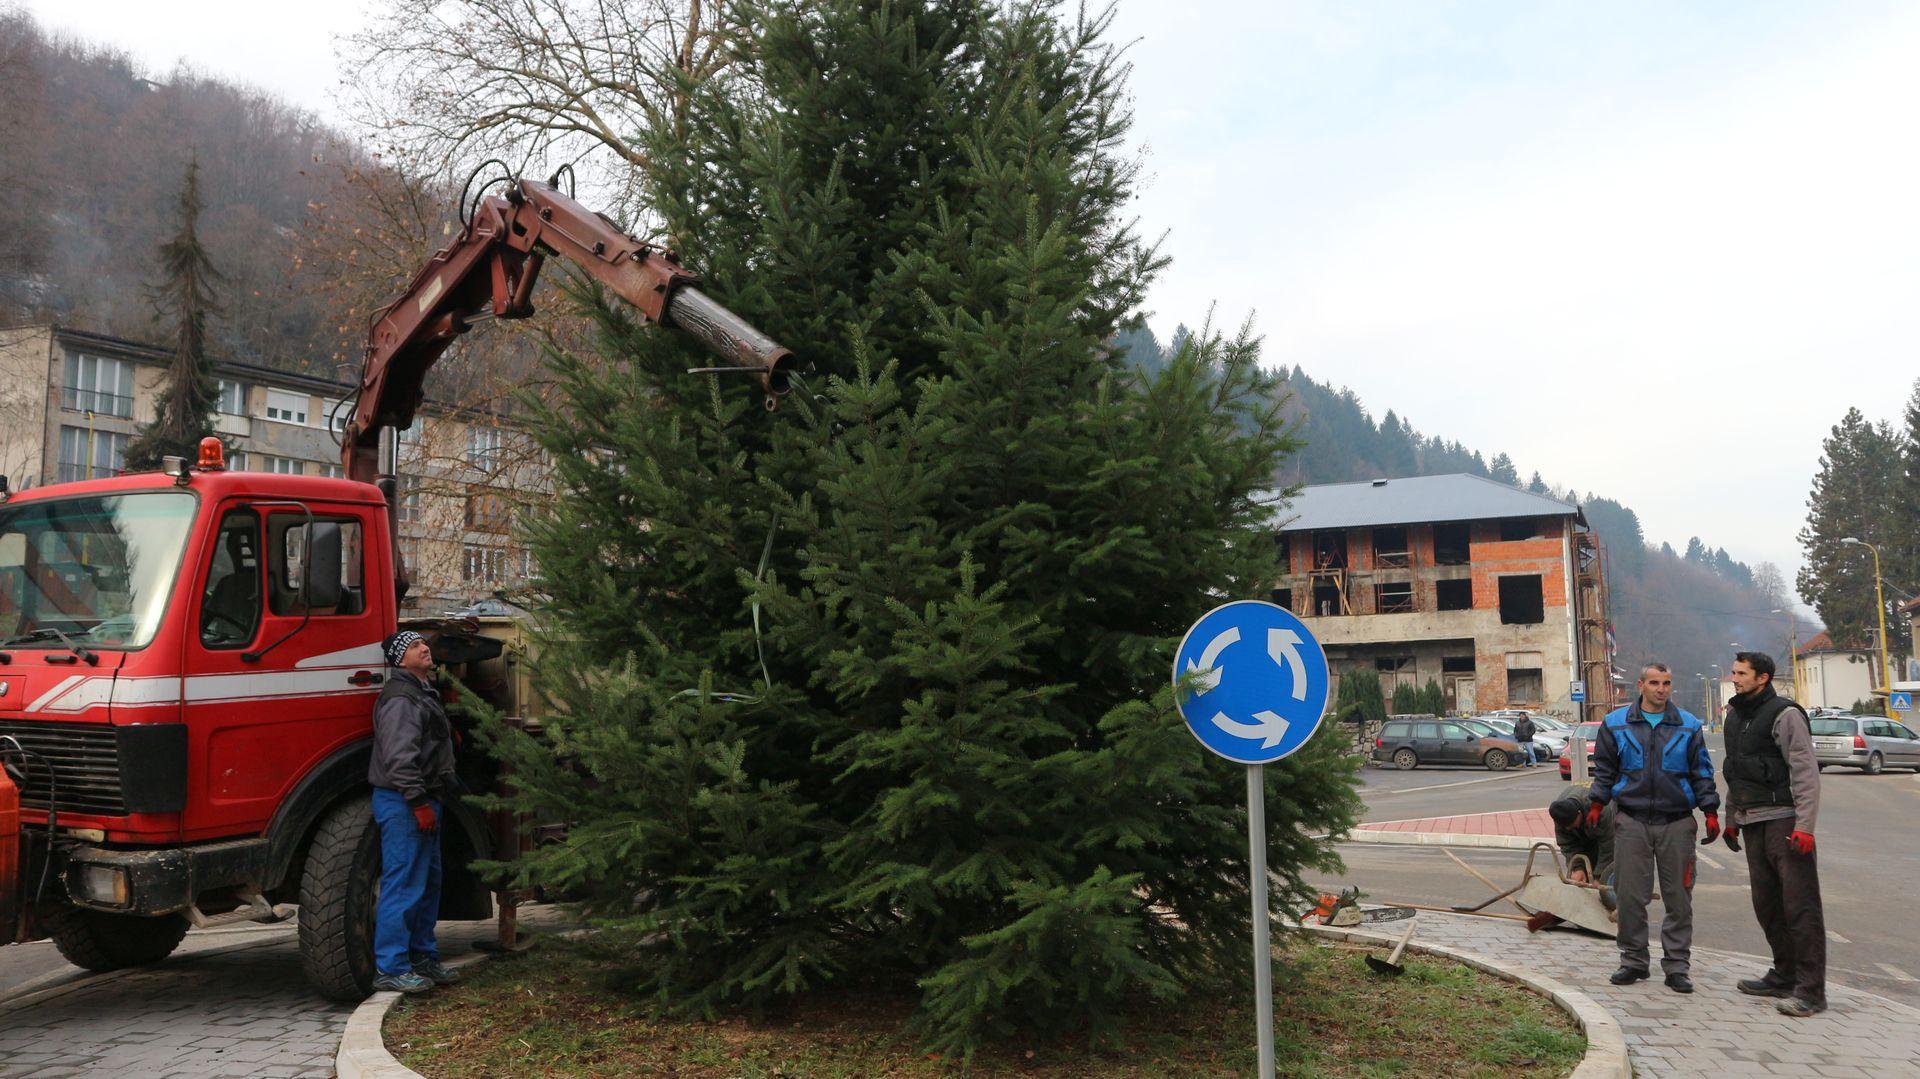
(1262, 946)
(1259, 692)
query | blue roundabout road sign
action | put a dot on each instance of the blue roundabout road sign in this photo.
(1268, 685)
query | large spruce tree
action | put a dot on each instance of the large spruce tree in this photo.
(875, 688)
(183, 299)
(1855, 494)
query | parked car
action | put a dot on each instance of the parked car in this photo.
(1410, 743)
(1589, 731)
(1546, 743)
(1869, 743)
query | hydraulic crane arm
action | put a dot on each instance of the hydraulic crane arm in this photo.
(490, 271)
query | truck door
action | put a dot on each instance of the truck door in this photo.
(275, 683)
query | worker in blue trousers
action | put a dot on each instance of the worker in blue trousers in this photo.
(412, 773)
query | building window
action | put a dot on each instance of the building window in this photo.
(526, 565)
(1283, 549)
(1283, 597)
(333, 472)
(484, 565)
(1393, 597)
(1525, 681)
(406, 498)
(233, 398)
(1454, 595)
(282, 466)
(1396, 671)
(1390, 547)
(287, 407)
(1520, 528)
(1329, 550)
(1328, 599)
(335, 414)
(488, 511)
(1521, 601)
(483, 447)
(99, 385)
(1456, 665)
(87, 455)
(410, 556)
(1452, 545)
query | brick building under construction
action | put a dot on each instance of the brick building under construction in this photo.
(1494, 592)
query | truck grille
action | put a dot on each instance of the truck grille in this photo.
(86, 764)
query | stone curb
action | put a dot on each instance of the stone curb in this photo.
(1442, 839)
(1606, 1045)
(363, 1049)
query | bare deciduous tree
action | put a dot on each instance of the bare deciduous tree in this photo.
(536, 83)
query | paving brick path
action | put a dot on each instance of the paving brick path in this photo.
(1522, 823)
(1714, 1032)
(226, 1004)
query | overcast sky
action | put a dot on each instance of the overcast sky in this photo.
(1652, 250)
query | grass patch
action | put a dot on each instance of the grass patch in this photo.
(552, 1013)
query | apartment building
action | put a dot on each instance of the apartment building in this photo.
(70, 401)
(1493, 592)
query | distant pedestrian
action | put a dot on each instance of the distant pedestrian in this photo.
(1650, 763)
(1523, 731)
(412, 775)
(1773, 791)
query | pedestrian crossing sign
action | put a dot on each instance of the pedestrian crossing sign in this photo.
(1901, 702)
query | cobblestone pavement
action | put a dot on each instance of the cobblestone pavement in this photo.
(224, 1005)
(1716, 1031)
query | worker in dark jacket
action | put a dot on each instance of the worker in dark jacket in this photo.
(412, 776)
(1650, 763)
(1575, 837)
(1773, 787)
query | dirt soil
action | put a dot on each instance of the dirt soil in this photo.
(552, 1013)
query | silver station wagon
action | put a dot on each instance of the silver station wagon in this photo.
(1869, 743)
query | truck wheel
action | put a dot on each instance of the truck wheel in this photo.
(100, 941)
(337, 890)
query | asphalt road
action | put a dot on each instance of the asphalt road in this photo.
(1869, 875)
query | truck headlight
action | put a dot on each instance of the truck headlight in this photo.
(101, 884)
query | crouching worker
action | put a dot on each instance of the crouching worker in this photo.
(412, 776)
(1576, 837)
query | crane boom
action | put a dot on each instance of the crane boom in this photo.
(489, 272)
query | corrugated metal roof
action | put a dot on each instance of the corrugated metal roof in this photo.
(1412, 500)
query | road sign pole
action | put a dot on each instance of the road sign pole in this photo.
(1262, 948)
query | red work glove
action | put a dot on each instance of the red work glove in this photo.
(1801, 842)
(1732, 836)
(424, 816)
(1593, 814)
(1713, 828)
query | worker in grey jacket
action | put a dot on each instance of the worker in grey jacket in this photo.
(1773, 789)
(412, 776)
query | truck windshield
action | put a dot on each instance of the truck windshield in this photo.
(97, 570)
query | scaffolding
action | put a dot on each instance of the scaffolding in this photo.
(1594, 654)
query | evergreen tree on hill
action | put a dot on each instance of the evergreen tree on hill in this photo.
(1504, 471)
(1904, 565)
(184, 297)
(873, 689)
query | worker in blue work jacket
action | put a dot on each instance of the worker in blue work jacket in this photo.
(1650, 762)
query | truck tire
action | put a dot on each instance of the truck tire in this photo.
(100, 941)
(337, 890)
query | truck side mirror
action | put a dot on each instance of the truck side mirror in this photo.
(321, 552)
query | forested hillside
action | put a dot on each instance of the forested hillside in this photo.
(1685, 606)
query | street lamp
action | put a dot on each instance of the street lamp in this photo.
(1793, 651)
(1879, 609)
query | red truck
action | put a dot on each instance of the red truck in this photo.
(189, 658)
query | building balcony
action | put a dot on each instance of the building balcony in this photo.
(233, 426)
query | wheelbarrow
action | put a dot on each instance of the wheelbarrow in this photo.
(1575, 902)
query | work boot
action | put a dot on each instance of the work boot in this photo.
(1680, 983)
(404, 982)
(1761, 987)
(1800, 1008)
(435, 971)
(1627, 976)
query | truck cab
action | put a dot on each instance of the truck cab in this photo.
(188, 667)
